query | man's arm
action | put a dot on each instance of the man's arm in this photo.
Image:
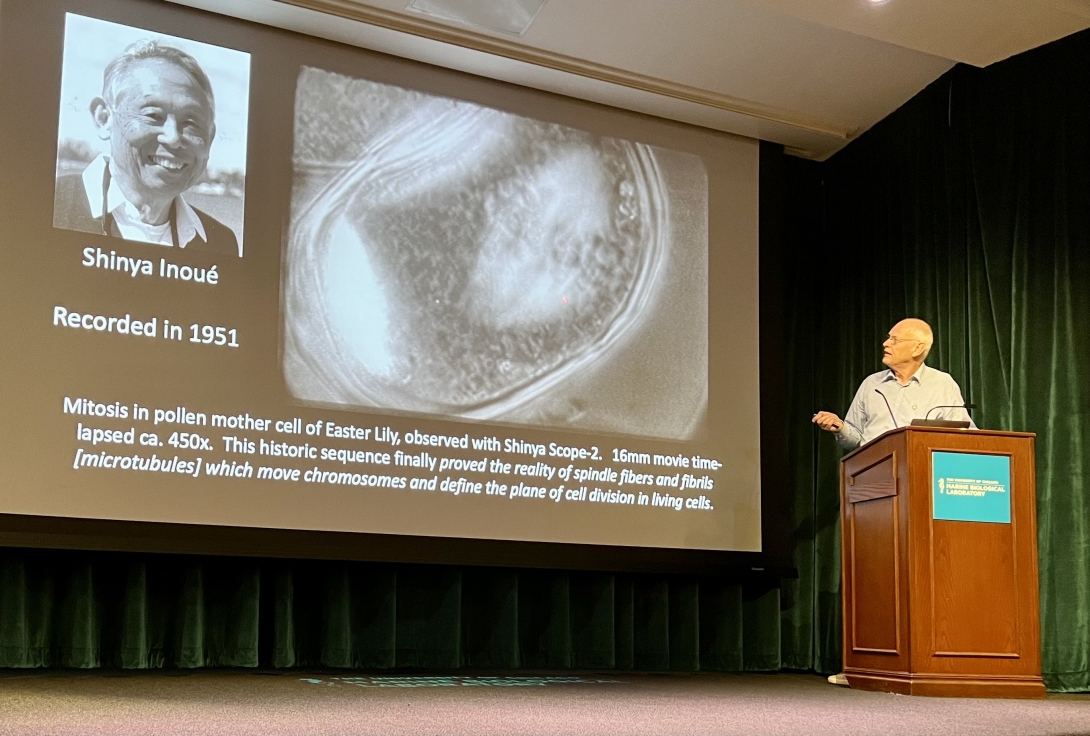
(954, 399)
(848, 431)
(850, 435)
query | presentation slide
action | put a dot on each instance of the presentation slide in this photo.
(258, 279)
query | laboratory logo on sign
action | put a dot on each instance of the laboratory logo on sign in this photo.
(971, 487)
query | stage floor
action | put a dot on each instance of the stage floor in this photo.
(294, 702)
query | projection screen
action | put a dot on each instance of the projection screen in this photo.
(255, 279)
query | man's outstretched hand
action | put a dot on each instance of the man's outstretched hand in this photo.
(828, 421)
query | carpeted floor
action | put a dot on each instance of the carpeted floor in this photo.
(295, 702)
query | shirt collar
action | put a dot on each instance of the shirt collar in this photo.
(919, 376)
(188, 221)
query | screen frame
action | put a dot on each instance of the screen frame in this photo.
(775, 558)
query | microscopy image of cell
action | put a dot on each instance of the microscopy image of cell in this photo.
(450, 259)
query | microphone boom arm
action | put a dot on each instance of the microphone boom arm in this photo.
(891, 416)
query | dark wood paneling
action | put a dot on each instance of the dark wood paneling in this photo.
(874, 561)
(974, 611)
(965, 592)
(979, 612)
(876, 577)
(875, 481)
(947, 686)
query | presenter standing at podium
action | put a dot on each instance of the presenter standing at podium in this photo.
(908, 389)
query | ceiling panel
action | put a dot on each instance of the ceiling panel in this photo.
(971, 31)
(811, 74)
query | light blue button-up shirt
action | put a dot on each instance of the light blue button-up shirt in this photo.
(868, 416)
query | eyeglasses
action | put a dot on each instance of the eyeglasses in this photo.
(895, 340)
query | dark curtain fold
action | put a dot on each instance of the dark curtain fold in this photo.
(76, 609)
(81, 609)
(970, 208)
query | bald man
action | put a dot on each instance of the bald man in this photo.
(892, 398)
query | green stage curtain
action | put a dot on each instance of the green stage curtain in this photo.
(94, 609)
(970, 208)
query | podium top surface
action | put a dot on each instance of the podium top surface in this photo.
(940, 430)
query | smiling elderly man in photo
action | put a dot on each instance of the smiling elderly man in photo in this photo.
(157, 111)
(907, 390)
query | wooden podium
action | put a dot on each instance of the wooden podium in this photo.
(934, 604)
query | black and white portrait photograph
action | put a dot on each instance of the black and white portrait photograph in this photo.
(151, 140)
(453, 260)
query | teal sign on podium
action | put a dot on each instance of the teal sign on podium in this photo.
(968, 486)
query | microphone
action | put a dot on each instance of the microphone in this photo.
(887, 407)
(966, 406)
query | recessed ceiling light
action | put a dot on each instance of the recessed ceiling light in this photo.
(505, 16)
